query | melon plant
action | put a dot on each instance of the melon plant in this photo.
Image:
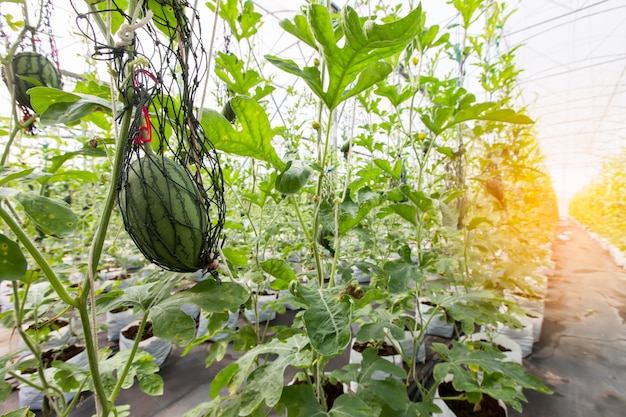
(32, 69)
(163, 213)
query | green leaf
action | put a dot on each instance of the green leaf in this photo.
(385, 165)
(52, 216)
(254, 140)
(57, 161)
(244, 23)
(171, 323)
(58, 106)
(405, 210)
(327, 320)
(436, 118)
(22, 412)
(293, 178)
(310, 75)
(11, 174)
(43, 97)
(300, 401)
(281, 270)
(141, 367)
(477, 221)
(236, 256)
(401, 272)
(358, 64)
(300, 29)
(12, 261)
(264, 384)
(470, 113)
(395, 97)
(230, 69)
(507, 116)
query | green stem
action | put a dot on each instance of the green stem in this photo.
(92, 357)
(87, 298)
(33, 347)
(129, 362)
(55, 282)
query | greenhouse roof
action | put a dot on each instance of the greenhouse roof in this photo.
(573, 79)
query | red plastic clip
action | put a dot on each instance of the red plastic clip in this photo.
(145, 131)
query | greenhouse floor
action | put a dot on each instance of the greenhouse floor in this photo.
(582, 352)
(581, 355)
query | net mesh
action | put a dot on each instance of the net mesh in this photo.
(35, 61)
(171, 192)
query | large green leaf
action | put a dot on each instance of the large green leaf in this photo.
(58, 106)
(12, 261)
(327, 320)
(230, 69)
(253, 140)
(173, 324)
(500, 379)
(300, 29)
(8, 174)
(358, 64)
(402, 272)
(351, 212)
(300, 401)
(507, 116)
(281, 270)
(52, 216)
(264, 384)
(142, 367)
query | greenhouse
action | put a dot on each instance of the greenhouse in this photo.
(312, 208)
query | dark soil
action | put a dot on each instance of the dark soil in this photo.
(131, 332)
(355, 291)
(52, 355)
(502, 348)
(488, 407)
(383, 350)
(55, 324)
(120, 309)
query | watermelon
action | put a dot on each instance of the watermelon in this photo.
(163, 212)
(31, 69)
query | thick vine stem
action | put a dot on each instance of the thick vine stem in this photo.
(95, 253)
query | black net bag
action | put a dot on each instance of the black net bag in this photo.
(170, 186)
(35, 62)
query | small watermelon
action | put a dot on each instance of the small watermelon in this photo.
(31, 69)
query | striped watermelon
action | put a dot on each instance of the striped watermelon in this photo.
(31, 69)
(163, 213)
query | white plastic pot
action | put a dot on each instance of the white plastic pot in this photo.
(523, 336)
(435, 323)
(33, 398)
(357, 357)
(158, 348)
(117, 321)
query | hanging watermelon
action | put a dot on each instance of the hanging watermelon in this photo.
(32, 69)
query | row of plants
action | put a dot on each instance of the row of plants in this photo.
(598, 205)
(401, 185)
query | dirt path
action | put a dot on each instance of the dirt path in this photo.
(582, 351)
